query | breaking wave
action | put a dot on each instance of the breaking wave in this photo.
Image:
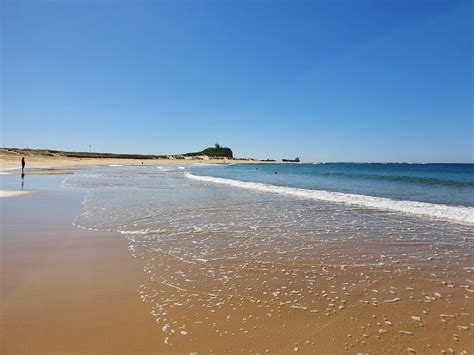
(458, 214)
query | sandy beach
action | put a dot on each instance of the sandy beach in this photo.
(13, 193)
(79, 291)
(10, 162)
(65, 290)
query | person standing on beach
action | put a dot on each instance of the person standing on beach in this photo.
(22, 164)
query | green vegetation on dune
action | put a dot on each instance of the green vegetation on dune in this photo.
(216, 152)
(59, 153)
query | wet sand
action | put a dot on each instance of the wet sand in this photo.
(320, 308)
(65, 290)
(13, 193)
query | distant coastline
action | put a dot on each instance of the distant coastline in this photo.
(71, 154)
(47, 158)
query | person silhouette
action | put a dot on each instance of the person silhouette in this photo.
(22, 164)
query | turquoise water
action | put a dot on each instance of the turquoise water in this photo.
(451, 184)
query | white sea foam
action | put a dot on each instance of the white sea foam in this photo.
(163, 168)
(458, 214)
(7, 171)
(115, 165)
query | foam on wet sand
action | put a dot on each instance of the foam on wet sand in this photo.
(260, 272)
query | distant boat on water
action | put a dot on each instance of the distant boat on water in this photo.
(296, 160)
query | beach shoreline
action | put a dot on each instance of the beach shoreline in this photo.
(72, 286)
(38, 164)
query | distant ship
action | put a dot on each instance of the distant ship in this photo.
(296, 160)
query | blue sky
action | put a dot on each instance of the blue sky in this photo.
(324, 80)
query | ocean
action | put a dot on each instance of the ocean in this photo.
(137, 198)
(451, 184)
(436, 190)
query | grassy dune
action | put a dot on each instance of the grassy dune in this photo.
(210, 152)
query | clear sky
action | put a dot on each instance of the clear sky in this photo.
(329, 80)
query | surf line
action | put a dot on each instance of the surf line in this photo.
(458, 214)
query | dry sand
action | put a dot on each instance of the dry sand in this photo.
(35, 161)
